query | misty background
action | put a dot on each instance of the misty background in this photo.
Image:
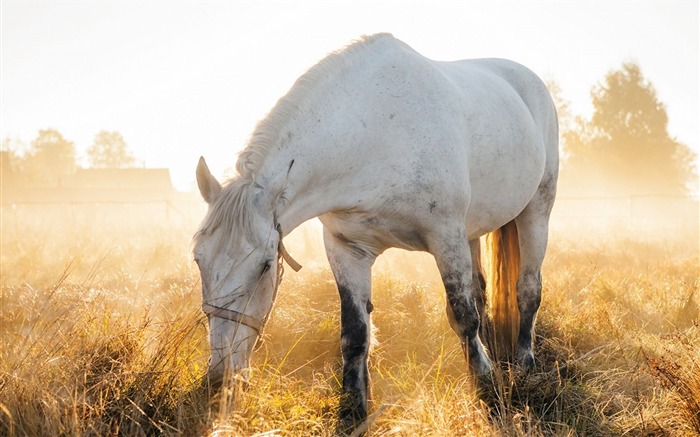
(106, 107)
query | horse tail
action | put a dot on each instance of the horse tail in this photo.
(503, 267)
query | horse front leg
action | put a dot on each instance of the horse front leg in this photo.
(351, 267)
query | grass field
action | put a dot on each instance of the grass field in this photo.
(102, 335)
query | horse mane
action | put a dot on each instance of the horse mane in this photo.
(232, 208)
(267, 132)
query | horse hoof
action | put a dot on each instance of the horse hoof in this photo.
(485, 386)
(347, 427)
(350, 418)
(526, 359)
(484, 367)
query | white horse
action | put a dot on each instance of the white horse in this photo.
(389, 149)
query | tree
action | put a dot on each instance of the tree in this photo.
(13, 149)
(625, 148)
(565, 116)
(109, 150)
(50, 158)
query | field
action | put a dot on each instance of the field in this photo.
(102, 335)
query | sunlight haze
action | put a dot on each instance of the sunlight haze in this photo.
(422, 199)
(183, 79)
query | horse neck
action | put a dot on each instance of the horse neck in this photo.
(309, 176)
(320, 151)
(303, 191)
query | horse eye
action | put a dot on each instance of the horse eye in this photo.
(266, 267)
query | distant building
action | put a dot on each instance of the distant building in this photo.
(10, 181)
(122, 184)
(89, 185)
(5, 168)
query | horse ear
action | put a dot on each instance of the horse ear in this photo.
(208, 185)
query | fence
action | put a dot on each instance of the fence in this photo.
(658, 217)
(635, 213)
(185, 211)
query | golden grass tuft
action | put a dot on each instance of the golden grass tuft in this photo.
(106, 338)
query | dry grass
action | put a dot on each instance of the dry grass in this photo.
(103, 336)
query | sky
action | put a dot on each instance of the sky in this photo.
(180, 79)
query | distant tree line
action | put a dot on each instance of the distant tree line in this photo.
(623, 149)
(51, 157)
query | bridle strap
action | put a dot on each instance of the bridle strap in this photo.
(236, 316)
(282, 251)
(232, 315)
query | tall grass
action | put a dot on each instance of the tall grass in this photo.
(104, 336)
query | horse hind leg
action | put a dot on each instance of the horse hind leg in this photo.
(454, 261)
(479, 285)
(529, 298)
(532, 226)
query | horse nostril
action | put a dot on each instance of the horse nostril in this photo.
(216, 384)
(245, 385)
(240, 380)
(215, 379)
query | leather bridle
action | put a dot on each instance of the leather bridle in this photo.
(232, 315)
(245, 319)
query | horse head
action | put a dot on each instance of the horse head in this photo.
(237, 250)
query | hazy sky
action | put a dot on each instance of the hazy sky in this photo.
(181, 79)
